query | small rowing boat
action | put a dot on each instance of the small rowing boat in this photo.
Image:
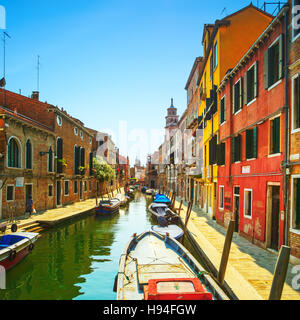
(156, 267)
(110, 206)
(173, 230)
(15, 247)
(162, 210)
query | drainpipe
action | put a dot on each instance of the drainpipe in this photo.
(287, 131)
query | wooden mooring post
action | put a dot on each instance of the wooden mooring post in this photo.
(187, 218)
(226, 251)
(280, 273)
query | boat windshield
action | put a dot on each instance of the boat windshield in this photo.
(9, 240)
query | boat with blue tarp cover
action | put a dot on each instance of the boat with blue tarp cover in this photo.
(161, 198)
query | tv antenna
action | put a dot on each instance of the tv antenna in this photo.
(3, 81)
(38, 73)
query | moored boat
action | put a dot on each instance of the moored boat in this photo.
(110, 206)
(15, 247)
(162, 210)
(173, 230)
(156, 267)
(149, 192)
(161, 198)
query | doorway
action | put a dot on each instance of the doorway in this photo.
(28, 192)
(236, 207)
(273, 213)
(58, 193)
(80, 190)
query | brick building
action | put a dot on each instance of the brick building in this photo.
(65, 163)
(251, 145)
(293, 163)
(23, 171)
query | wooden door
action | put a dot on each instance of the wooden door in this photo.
(275, 218)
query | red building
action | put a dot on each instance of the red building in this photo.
(252, 142)
(123, 170)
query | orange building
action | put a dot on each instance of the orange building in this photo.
(224, 43)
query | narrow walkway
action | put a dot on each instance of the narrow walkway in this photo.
(250, 269)
(57, 215)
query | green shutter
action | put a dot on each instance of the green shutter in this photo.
(246, 88)
(249, 136)
(266, 68)
(281, 55)
(256, 79)
(255, 142)
(222, 153)
(233, 149)
(238, 149)
(276, 135)
(241, 93)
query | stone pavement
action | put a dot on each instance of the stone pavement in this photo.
(250, 269)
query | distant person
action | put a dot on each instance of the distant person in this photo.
(29, 205)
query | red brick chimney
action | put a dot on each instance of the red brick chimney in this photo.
(35, 95)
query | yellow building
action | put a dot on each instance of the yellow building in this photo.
(224, 43)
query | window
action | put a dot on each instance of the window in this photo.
(275, 136)
(82, 157)
(248, 203)
(295, 21)
(221, 197)
(59, 148)
(237, 96)
(223, 110)
(76, 159)
(59, 120)
(81, 135)
(90, 140)
(295, 208)
(10, 193)
(50, 160)
(213, 150)
(273, 63)
(28, 155)
(296, 103)
(251, 143)
(90, 186)
(66, 188)
(215, 55)
(236, 148)
(251, 85)
(91, 164)
(75, 187)
(85, 186)
(76, 131)
(13, 154)
(50, 190)
(221, 154)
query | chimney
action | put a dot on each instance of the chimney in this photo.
(35, 95)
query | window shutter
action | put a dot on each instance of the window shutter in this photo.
(224, 108)
(91, 164)
(233, 149)
(233, 99)
(266, 68)
(276, 135)
(220, 112)
(297, 101)
(255, 142)
(218, 154)
(238, 148)
(281, 48)
(256, 79)
(246, 88)
(241, 93)
(249, 144)
(222, 151)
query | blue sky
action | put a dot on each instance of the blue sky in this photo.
(107, 61)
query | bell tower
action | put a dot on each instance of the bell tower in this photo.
(172, 117)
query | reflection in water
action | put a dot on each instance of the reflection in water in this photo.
(78, 260)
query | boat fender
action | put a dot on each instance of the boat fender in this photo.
(116, 283)
(30, 247)
(14, 228)
(12, 255)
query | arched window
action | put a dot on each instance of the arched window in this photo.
(50, 160)
(13, 154)
(28, 156)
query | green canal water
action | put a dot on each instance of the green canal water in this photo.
(78, 260)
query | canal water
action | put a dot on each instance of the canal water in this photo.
(80, 259)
